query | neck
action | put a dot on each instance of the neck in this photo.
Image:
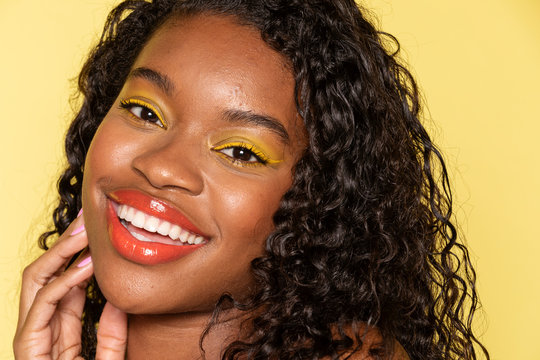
(177, 336)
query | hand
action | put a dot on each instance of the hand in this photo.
(52, 302)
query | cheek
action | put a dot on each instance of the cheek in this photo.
(246, 208)
(109, 155)
(109, 151)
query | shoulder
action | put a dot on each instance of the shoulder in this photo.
(372, 347)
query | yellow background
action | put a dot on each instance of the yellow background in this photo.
(477, 62)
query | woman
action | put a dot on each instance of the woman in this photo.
(256, 184)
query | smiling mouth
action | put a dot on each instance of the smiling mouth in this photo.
(148, 228)
(157, 235)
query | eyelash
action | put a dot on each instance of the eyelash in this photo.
(261, 158)
(129, 104)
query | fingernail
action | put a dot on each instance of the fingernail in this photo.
(80, 212)
(78, 230)
(87, 260)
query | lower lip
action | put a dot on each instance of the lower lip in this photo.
(143, 252)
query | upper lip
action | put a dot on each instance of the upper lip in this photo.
(155, 207)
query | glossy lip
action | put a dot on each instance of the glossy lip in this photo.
(154, 207)
(143, 252)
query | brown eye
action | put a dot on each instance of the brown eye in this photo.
(141, 111)
(241, 154)
(145, 113)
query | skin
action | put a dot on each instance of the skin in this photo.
(51, 305)
(212, 66)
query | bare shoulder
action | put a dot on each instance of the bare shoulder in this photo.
(372, 345)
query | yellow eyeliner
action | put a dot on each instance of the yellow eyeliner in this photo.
(255, 150)
(134, 101)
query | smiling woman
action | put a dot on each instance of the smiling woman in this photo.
(181, 159)
(252, 181)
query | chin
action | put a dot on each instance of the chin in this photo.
(135, 295)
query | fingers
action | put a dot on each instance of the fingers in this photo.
(112, 334)
(45, 316)
(48, 297)
(41, 271)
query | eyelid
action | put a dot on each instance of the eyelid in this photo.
(140, 102)
(254, 149)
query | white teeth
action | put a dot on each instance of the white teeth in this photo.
(164, 228)
(175, 232)
(138, 219)
(153, 224)
(130, 214)
(184, 236)
(123, 211)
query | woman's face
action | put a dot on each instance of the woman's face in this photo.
(199, 146)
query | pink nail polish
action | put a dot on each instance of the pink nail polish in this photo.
(78, 230)
(87, 260)
(80, 212)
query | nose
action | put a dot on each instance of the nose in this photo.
(171, 165)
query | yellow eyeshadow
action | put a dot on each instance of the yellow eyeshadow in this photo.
(254, 149)
(134, 101)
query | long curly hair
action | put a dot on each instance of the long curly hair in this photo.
(364, 235)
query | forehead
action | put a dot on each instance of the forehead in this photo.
(224, 36)
(215, 57)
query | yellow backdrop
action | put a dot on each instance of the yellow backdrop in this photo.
(478, 63)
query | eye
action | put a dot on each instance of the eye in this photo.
(243, 154)
(143, 111)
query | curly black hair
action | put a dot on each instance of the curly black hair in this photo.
(364, 235)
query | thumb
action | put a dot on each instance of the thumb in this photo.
(112, 334)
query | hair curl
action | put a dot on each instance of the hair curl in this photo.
(364, 235)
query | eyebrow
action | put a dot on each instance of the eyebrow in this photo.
(251, 118)
(159, 79)
(233, 115)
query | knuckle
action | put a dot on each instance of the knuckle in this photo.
(41, 294)
(18, 346)
(15, 343)
(70, 313)
(69, 351)
(32, 275)
(111, 342)
(28, 272)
